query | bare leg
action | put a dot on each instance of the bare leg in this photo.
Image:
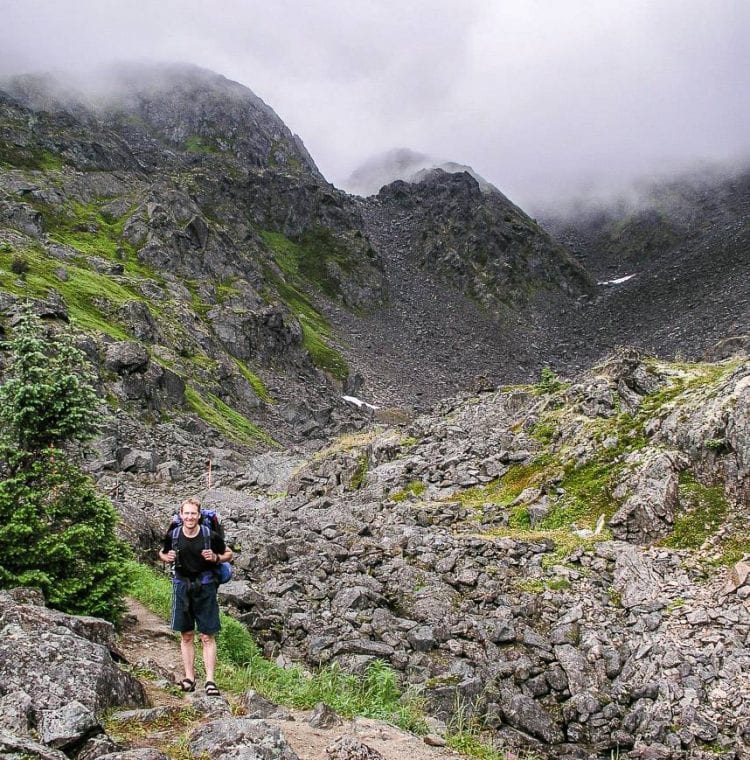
(209, 655)
(187, 650)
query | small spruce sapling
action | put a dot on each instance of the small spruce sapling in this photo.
(58, 533)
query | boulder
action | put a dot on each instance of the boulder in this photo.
(126, 357)
(240, 739)
(60, 671)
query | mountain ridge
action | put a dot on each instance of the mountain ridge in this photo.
(533, 530)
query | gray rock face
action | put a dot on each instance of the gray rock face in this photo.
(649, 512)
(126, 357)
(240, 739)
(57, 673)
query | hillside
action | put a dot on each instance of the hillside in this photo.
(553, 559)
(685, 244)
(178, 217)
(557, 565)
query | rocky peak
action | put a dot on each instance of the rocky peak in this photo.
(481, 241)
(202, 112)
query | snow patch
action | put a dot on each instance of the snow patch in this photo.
(358, 402)
(618, 281)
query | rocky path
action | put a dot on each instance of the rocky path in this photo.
(426, 332)
(146, 642)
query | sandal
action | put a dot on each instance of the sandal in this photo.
(187, 685)
(211, 689)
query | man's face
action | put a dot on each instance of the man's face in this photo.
(190, 514)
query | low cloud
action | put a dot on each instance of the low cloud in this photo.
(543, 99)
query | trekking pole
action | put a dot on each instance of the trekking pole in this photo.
(209, 473)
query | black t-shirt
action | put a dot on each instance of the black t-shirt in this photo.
(189, 563)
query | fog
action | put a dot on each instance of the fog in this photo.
(546, 99)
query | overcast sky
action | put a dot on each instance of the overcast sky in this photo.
(541, 97)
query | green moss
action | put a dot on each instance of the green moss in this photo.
(85, 228)
(197, 144)
(588, 494)
(413, 488)
(314, 258)
(315, 332)
(14, 156)
(703, 511)
(360, 473)
(295, 261)
(226, 290)
(258, 386)
(90, 297)
(504, 490)
(227, 420)
(732, 549)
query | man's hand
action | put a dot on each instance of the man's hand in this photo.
(209, 555)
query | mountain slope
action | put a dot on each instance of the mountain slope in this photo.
(176, 211)
(686, 246)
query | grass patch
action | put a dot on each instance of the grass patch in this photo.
(503, 491)
(227, 420)
(89, 296)
(704, 511)
(197, 144)
(540, 585)
(314, 258)
(360, 473)
(414, 488)
(258, 386)
(376, 694)
(316, 332)
(31, 157)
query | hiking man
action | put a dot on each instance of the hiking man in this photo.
(195, 551)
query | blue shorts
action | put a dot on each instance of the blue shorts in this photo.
(194, 604)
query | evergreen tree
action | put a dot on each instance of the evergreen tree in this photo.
(56, 532)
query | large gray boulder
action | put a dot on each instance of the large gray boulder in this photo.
(59, 669)
(240, 739)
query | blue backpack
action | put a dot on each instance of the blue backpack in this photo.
(209, 521)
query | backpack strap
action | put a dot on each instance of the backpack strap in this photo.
(206, 536)
(175, 536)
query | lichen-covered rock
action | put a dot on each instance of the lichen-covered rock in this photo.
(240, 739)
(64, 666)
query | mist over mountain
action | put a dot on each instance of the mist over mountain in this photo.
(403, 164)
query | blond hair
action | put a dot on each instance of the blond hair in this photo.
(193, 501)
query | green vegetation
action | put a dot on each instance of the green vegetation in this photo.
(505, 490)
(360, 473)
(89, 230)
(315, 258)
(414, 488)
(315, 332)
(467, 735)
(198, 144)
(227, 420)
(549, 382)
(13, 156)
(90, 297)
(540, 585)
(715, 444)
(241, 667)
(258, 386)
(296, 263)
(48, 505)
(704, 511)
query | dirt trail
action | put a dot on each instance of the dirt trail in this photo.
(146, 642)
